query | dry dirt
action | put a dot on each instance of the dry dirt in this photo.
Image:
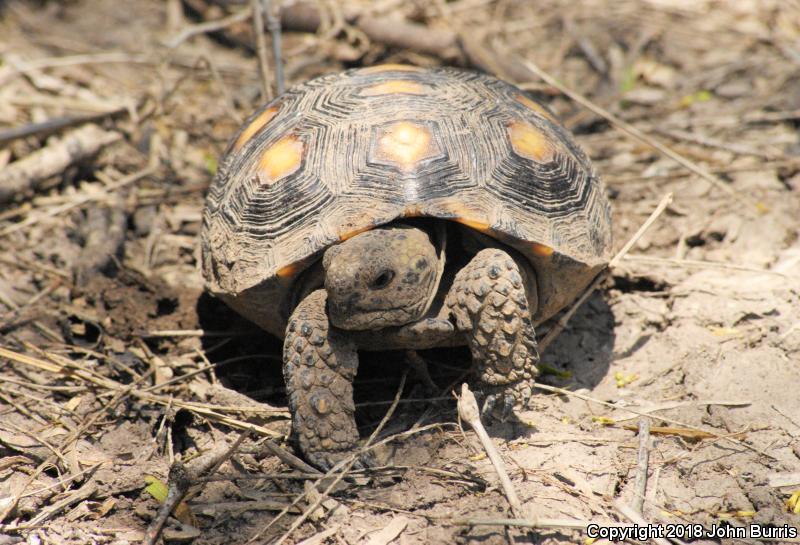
(105, 378)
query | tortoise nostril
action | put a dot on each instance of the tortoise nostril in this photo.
(382, 280)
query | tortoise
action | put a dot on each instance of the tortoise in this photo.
(396, 207)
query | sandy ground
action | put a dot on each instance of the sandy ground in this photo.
(105, 380)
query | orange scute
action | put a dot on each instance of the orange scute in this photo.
(280, 159)
(399, 86)
(405, 144)
(412, 211)
(529, 142)
(357, 231)
(255, 125)
(535, 106)
(541, 250)
(476, 224)
(288, 271)
(390, 68)
(466, 216)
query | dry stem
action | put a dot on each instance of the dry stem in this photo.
(643, 459)
(25, 175)
(469, 412)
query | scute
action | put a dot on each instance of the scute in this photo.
(344, 153)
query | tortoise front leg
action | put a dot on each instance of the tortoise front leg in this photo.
(490, 306)
(319, 365)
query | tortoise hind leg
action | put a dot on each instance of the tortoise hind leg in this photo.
(319, 365)
(490, 306)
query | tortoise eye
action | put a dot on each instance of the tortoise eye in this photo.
(382, 280)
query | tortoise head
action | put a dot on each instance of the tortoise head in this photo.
(380, 278)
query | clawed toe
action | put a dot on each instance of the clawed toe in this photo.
(503, 401)
(488, 407)
(508, 408)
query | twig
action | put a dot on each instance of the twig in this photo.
(288, 458)
(210, 26)
(274, 27)
(82, 494)
(643, 460)
(561, 324)
(56, 124)
(179, 482)
(257, 8)
(468, 411)
(25, 175)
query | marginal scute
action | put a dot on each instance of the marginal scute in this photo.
(406, 144)
(412, 211)
(255, 125)
(280, 160)
(536, 107)
(288, 271)
(390, 68)
(392, 87)
(541, 250)
(346, 234)
(530, 142)
(476, 219)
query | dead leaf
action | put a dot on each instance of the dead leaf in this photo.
(390, 532)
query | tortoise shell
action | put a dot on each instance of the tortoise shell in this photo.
(347, 152)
